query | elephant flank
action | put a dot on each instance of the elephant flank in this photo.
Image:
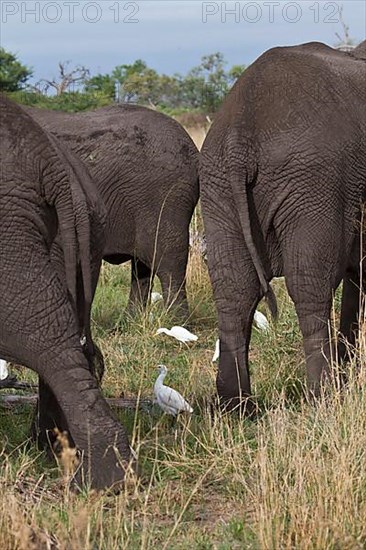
(238, 172)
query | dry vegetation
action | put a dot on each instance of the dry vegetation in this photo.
(293, 478)
(197, 126)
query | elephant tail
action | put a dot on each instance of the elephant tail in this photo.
(63, 203)
(79, 235)
(237, 173)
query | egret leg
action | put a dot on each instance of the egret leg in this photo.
(174, 422)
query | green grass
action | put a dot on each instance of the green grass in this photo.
(293, 478)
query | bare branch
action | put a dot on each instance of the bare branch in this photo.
(67, 77)
(118, 402)
(346, 38)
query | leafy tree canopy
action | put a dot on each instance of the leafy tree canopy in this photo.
(13, 75)
(102, 83)
(202, 88)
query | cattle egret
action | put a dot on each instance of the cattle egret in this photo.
(156, 297)
(261, 321)
(179, 333)
(216, 354)
(169, 400)
(4, 373)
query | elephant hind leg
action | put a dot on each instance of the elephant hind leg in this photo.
(311, 269)
(237, 292)
(48, 416)
(354, 284)
(141, 286)
(173, 285)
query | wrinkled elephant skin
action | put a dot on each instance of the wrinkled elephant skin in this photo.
(282, 179)
(146, 169)
(40, 195)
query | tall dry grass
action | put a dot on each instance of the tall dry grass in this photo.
(294, 478)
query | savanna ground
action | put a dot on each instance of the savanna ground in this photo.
(295, 477)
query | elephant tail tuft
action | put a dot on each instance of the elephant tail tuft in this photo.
(272, 302)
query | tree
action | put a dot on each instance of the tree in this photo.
(136, 82)
(142, 87)
(234, 73)
(344, 41)
(103, 83)
(67, 78)
(170, 91)
(13, 75)
(206, 85)
(68, 101)
(203, 88)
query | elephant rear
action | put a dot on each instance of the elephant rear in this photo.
(282, 178)
(39, 194)
(146, 169)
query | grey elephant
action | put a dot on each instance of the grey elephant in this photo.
(146, 169)
(44, 307)
(282, 180)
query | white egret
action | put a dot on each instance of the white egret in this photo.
(261, 321)
(169, 400)
(216, 354)
(179, 333)
(4, 373)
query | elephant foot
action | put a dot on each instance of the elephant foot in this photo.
(94, 469)
(246, 407)
(134, 309)
(46, 438)
(178, 308)
(106, 470)
(331, 382)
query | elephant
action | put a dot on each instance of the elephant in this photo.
(145, 166)
(48, 204)
(282, 181)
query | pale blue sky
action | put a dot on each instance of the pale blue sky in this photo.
(171, 35)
